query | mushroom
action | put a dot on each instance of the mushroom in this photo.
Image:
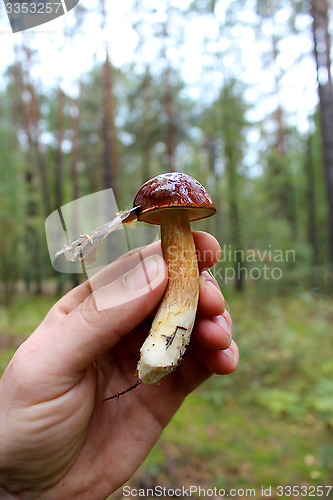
(172, 200)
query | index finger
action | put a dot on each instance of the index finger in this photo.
(208, 249)
(208, 253)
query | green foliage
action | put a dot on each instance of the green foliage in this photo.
(270, 422)
(23, 315)
(5, 356)
(280, 402)
(261, 207)
(321, 399)
(11, 213)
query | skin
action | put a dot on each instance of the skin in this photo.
(58, 439)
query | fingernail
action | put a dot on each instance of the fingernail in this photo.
(210, 281)
(143, 273)
(222, 322)
(228, 352)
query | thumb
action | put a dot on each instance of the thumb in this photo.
(68, 347)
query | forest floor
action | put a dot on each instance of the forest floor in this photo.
(268, 425)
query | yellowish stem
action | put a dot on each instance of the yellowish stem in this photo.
(171, 329)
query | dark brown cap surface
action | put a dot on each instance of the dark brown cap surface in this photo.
(173, 190)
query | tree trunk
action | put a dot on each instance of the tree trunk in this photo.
(169, 121)
(234, 217)
(311, 204)
(74, 162)
(322, 45)
(35, 121)
(34, 113)
(210, 147)
(33, 268)
(59, 156)
(286, 191)
(59, 181)
(146, 153)
(75, 145)
(110, 164)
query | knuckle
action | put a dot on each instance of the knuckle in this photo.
(90, 314)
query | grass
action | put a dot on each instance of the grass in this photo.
(268, 424)
(271, 422)
(5, 356)
(24, 314)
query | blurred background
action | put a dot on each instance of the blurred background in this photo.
(239, 95)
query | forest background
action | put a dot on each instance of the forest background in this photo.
(239, 95)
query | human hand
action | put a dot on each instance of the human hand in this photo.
(59, 439)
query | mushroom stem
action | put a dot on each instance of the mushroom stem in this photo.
(171, 329)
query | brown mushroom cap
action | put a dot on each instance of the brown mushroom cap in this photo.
(173, 190)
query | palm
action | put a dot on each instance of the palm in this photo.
(110, 425)
(55, 425)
